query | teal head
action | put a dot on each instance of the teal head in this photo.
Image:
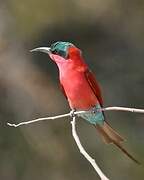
(59, 48)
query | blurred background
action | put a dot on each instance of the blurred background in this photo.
(111, 36)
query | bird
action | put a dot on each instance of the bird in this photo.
(81, 89)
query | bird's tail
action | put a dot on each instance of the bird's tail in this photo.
(109, 135)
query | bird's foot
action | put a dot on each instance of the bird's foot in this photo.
(95, 110)
(72, 113)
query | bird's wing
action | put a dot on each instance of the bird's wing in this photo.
(94, 85)
(108, 134)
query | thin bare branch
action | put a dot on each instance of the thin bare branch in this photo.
(114, 108)
(45, 118)
(74, 133)
(84, 153)
(39, 119)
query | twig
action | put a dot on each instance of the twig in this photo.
(114, 108)
(74, 133)
(45, 118)
(84, 153)
(39, 119)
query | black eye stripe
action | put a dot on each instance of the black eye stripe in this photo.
(54, 51)
(60, 53)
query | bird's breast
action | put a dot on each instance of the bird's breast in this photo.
(78, 90)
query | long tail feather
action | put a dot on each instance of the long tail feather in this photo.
(109, 135)
(126, 152)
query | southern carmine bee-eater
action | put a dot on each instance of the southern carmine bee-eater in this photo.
(81, 89)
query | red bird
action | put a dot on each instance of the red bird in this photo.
(81, 89)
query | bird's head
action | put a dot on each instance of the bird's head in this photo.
(66, 55)
(60, 51)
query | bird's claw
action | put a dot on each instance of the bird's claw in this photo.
(95, 110)
(72, 113)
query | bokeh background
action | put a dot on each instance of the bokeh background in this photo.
(111, 36)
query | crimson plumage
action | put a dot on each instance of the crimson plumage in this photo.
(81, 89)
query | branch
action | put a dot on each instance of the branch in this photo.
(114, 108)
(74, 133)
(46, 118)
(84, 153)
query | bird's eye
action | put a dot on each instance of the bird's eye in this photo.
(61, 53)
(54, 52)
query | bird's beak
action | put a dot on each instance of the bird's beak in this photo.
(42, 49)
